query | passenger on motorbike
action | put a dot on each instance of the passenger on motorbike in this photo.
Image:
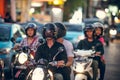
(69, 49)
(98, 35)
(99, 32)
(32, 40)
(49, 50)
(90, 43)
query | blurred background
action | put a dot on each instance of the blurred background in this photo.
(60, 10)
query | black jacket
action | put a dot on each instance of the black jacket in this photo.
(45, 52)
(86, 45)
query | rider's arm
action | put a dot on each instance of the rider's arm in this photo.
(69, 62)
(100, 48)
(70, 55)
(62, 58)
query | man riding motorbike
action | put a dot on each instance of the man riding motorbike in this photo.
(49, 50)
(90, 43)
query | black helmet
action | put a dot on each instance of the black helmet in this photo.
(88, 27)
(49, 30)
(31, 25)
(61, 29)
(98, 25)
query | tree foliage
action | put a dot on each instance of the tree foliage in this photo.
(70, 6)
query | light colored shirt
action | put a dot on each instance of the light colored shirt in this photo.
(69, 48)
(33, 46)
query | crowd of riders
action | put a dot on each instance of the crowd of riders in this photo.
(53, 35)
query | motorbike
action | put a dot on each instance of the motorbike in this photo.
(82, 65)
(21, 63)
(25, 67)
(21, 60)
(1, 69)
(40, 70)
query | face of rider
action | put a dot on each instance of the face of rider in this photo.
(98, 31)
(30, 32)
(89, 33)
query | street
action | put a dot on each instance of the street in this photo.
(112, 55)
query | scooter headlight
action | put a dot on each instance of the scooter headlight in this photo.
(22, 58)
(38, 74)
(79, 68)
(113, 31)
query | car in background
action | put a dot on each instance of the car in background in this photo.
(74, 33)
(7, 32)
(91, 20)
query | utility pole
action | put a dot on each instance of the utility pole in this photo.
(13, 10)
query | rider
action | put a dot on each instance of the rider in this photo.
(32, 40)
(90, 43)
(99, 35)
(99, 32)
(50, 48)
(68, 46)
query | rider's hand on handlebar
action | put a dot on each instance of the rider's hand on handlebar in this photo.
(98, 54)
(60, 63)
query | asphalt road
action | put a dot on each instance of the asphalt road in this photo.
(112, 55)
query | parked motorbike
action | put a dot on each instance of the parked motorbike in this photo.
(82, 64)
(1, 69)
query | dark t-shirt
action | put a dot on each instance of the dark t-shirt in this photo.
(95, 44)
(45, 52)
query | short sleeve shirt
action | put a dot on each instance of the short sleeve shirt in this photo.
(69, 48)
(33, 46)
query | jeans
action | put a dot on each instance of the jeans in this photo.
(95, 69)
(101, 66)
(65, 71)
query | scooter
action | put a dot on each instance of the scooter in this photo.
(82, 65)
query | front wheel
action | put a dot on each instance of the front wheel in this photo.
(35, 74)
(80, 77)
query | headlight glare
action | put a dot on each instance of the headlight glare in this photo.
(5, 50)
(113, 31)
(38, 74)
(22, 58)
